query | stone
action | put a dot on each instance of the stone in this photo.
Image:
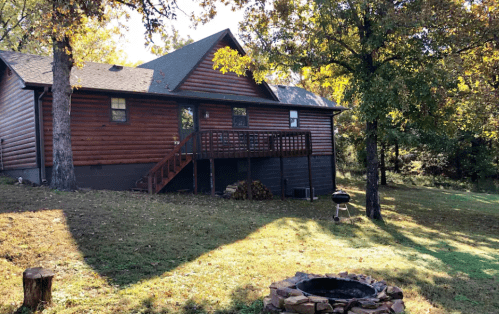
(352, 276)
(267, 301)
(324, 307)
(331, 276)
(343, 274)
(288, 292)
(398, 306)
(278, 301)
(317, 299)
(296, 300)
(269, 308)
(380, 310)
(282, 284)
(383, 296)
(302, 308)
(339, 309)
(294, 280)
(368, 304)
(394, 292)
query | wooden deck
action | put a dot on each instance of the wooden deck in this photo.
(242, 144)
(215, 144)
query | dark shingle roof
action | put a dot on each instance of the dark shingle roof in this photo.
(160, 76)
(37, 71)
(171, 69)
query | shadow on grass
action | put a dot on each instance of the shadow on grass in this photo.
(242, 302)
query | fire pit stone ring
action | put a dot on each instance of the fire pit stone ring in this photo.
(342, 293)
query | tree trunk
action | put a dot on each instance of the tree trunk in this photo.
(37, 286)
(397, 152)
(63, 177)
(373, 209)
(383, 164)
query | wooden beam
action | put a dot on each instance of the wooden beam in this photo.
(250, 194)
(195, 162)
(212, 174)
(333, 157)
(281, 164)
(309, 148)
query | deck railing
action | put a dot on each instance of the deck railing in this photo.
(245, 143)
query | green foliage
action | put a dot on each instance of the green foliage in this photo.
(171, 41)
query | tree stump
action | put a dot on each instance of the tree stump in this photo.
(37, 285)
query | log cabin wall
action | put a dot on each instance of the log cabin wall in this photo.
(275, 119)
(17, 122)
(205, 79)
(147, 137)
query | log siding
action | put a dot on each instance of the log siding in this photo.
(17, 123)
(146, 137)
(205, 79)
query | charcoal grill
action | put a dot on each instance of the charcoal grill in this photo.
(341, 198)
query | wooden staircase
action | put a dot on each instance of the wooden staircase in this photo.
(165, 170)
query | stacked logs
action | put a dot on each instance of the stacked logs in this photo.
(239, 191)
(284, 297)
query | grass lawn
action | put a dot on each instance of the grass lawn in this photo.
(123, 252)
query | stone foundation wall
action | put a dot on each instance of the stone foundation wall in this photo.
(285, 298)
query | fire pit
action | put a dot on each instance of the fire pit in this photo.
(342, 293)
(336, 288)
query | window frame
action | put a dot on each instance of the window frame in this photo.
(247, 117)
(111, 110)
(297, 119)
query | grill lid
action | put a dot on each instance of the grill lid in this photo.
(340, 197)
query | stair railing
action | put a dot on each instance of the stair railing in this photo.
(173, 160)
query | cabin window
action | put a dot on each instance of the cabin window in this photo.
(118, 110)
(293, 119)
(239, 117)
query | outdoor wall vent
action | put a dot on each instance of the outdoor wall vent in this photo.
(116, 67)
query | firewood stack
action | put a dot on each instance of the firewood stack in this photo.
(239, 191)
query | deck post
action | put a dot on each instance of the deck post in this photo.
(333, 157)
(149, 184)
(212, 175)
(250, 194)
(195, 163)
(281, 164)
(309, 148)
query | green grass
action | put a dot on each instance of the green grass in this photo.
(123, 252)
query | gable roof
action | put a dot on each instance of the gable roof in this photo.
(172, 68)
(161, 76)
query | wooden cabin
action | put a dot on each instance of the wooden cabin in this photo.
(170, 124)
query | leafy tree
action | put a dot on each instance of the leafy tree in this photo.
(15, 23)
(62, 23)
(171, 42)
(392, 52)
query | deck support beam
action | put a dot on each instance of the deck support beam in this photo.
(310, 178)
(195, 163)
(309, 155)
(248, 142)
(281, 166)
(212, 175)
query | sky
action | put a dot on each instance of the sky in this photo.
(133, 43)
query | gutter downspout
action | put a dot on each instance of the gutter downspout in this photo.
(43, 176)
(333, 158)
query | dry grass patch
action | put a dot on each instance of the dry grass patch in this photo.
(122, 252)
